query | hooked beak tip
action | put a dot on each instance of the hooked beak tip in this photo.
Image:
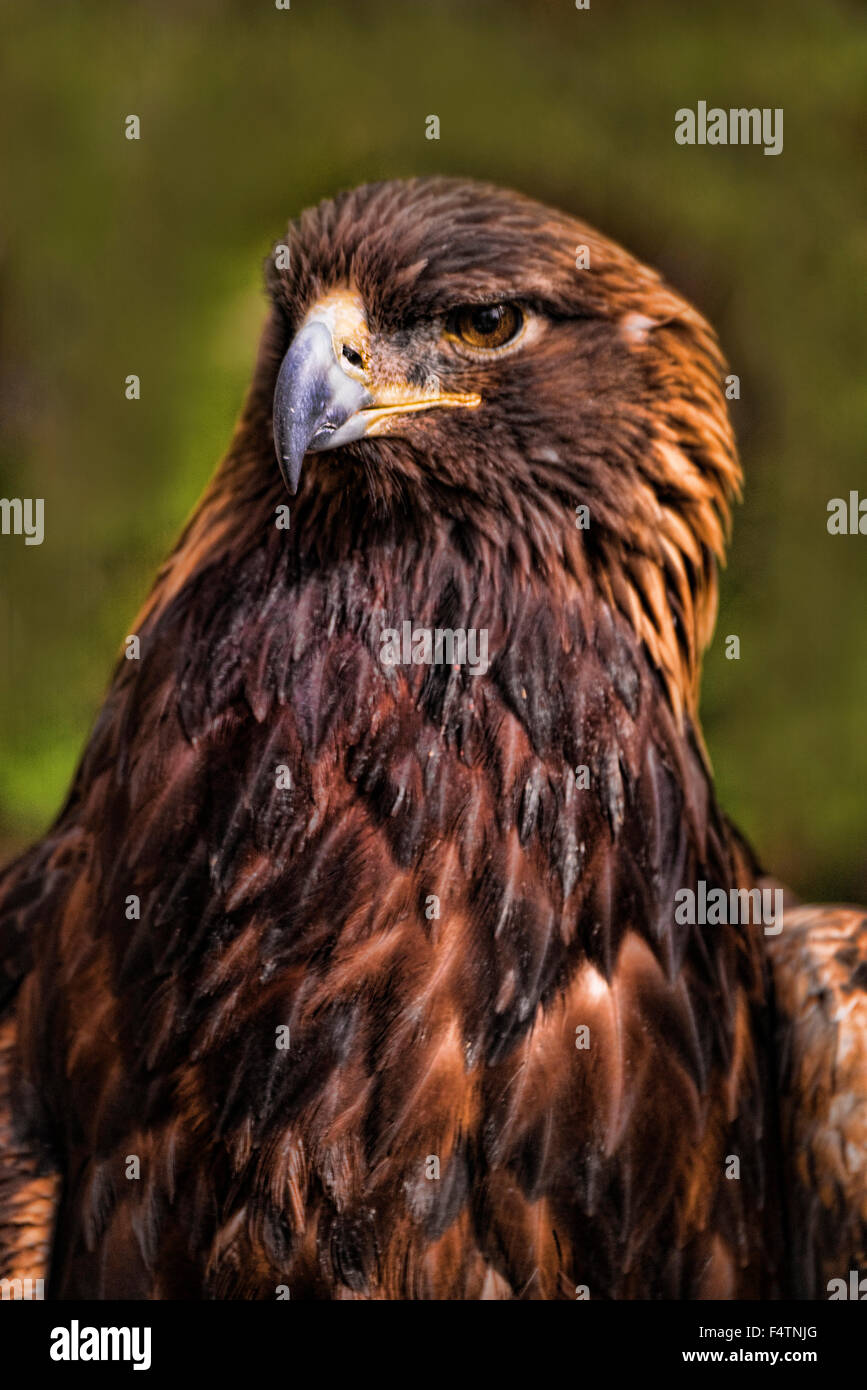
(313, 397)
(290, 470)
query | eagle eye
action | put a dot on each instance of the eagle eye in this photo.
(485, 325)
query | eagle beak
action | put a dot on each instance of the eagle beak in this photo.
(325, 394)
(316, 403)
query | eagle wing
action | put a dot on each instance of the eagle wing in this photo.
(819, 965)
(29, 1181)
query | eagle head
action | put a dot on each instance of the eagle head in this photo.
(453, 353)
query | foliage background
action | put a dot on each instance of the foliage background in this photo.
(119, 257)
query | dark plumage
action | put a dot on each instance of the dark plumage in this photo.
(415, 1036)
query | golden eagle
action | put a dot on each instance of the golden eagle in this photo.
(351, 977)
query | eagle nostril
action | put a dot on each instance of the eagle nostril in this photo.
(354, 358)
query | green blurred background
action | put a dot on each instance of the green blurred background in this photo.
(119, 257)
